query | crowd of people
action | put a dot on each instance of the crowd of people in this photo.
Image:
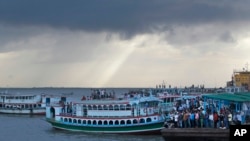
(191, 114)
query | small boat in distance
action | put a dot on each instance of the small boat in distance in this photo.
(129, 115)
(26, 103)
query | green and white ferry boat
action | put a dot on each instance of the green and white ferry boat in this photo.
(139, 114)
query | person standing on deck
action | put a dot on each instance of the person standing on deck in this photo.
(230, 118)
(211, 120)
(206, 119)
(201, 115)
(188, 119)
(180, 119)
(242, 117)
(226, 125)
(197, 119)
(185, 119)
(239, 118)
(216, 118)
(221, 120)
(192, 119)
(176, 119)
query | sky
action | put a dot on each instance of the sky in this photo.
(122, 43)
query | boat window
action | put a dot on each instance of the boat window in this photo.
(172, 99)
(9, 97)
(128, 121)
(105, 107)
(94, 122)
(149, 119)
(61, 119)
(122, 122)
(135, 121)
(122, 107)
(111, 107)
(116, 122)
(89, 122)
(39, 105)
(128, 107)
(94, 107)
(105, 122)
(99, 107)
(142, 120)
(84, 122)
(79, 121)
(110, 122)
(116, 107)
(89, 107)
(99, 122)
(65, 120)
(70, 120)
(84, 107)
(34, 105)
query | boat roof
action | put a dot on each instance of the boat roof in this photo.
(118, 101)
(17, 94)
(169, 96)
(237, 97)
(186, 97)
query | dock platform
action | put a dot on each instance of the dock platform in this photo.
(195, 134)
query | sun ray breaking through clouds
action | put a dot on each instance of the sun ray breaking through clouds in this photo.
(100, 44)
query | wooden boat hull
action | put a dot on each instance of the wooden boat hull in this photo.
(152, 128)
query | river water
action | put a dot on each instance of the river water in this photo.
(35, 128)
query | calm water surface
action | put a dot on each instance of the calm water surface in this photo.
(35, 128)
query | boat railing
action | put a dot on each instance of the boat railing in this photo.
(53, 104)
(89, 116)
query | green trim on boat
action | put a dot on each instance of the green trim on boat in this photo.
(108, 129)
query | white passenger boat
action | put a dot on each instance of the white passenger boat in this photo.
(26, 104)
(131, 115)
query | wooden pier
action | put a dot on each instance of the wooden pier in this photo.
(195, 134)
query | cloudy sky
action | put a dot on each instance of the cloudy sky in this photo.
(122, 43)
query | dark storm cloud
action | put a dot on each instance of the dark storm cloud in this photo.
(122, 16)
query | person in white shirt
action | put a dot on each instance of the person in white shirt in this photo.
(239, 118)
(210, 120)
(176, 119)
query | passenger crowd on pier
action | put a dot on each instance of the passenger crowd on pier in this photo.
(190, 113)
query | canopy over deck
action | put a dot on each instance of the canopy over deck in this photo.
(238, 97)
